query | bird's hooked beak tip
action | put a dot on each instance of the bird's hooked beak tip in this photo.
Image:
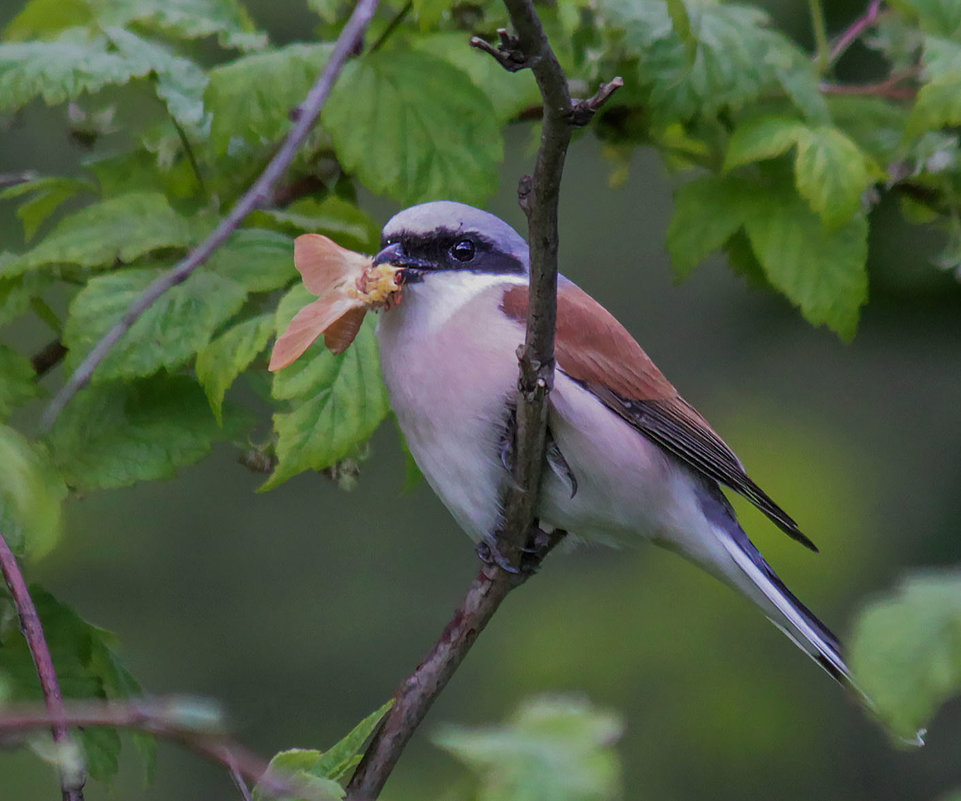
(394, 256)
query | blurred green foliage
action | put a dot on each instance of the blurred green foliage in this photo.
(795, 168)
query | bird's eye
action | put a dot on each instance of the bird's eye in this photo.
(462, 250)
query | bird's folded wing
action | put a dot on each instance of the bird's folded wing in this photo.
(594, 349)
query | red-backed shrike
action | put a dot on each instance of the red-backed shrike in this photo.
(631, 458)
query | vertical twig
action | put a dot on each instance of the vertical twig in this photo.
(823, 59)
(71, 782)
(259, 193)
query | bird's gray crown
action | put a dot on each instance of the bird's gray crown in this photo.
(444, 235)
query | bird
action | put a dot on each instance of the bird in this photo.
(628, 458)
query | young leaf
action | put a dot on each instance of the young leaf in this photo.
(31, 494)
(938, 103)
(906, 650)
(554, 749)
(17, 292)
(121, 228)
(171, 331)
(940, 17)
(258, 260)
(226, 357)
(342, 757)
(39, 19)
(293, 769)
(116, 434)
(832, 173)
(17, 381)
(760, 138)
(707, 212)
(340, 400)
(252, 97)
(820, 270)
(415, 128)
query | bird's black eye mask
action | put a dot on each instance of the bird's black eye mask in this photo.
(451, 250)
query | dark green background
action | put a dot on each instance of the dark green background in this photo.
(301, 609)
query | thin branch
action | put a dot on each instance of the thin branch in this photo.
(161, 717)
(539, 198)
(14, 178)
(72, 780)
(850, 35)
(823, 57)
(890, 87)
(256, 196)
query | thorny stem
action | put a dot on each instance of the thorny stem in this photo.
(258, 194)
(71, 779)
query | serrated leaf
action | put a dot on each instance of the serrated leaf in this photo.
(554, 749)
(906, 650)
(937, 104)
(62, 69)
(252, 97)
(413, 127)
(292, 769)
(87, 667)
(343, 222)
(832, 173)
(707, 212)
(738, 59)
(509, 93)
(116, 434)
(820, 270)
(47, 195)
(172, 330)
(761, 138)
(338, 401)
(259, 260)
(179, 82)
(121, 228)
(226, 357)
(17, 380)
(342, 757)
(31, 495)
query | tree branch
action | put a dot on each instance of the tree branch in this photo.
(854, 30)
(538, 196)
(71, 780)
(252, 199)
(168, 718)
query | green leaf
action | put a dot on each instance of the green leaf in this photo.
(116, 434)
(59, 70)
(509, 93)
(179, 82)
(938, 103)
(738, 59)
(940, 17)
(707, 212)
(554, 749)
(31, 494)
(228, 20)
(252, 97)
(121, 228)
(226, 357)
(832, 173)
(874, 123)
(415, 128)
(341, 221)
(341, 758)
(429, 12)
(47, 195)
(87, 667)
(338, 400)
(259, 260)
(761, 138)
(17, 380)
(16, 293)
(293, 769)
(172, 330)
(820, 270)
(681, 21)
(906, 650)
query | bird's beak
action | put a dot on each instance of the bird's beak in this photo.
(412, 270)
